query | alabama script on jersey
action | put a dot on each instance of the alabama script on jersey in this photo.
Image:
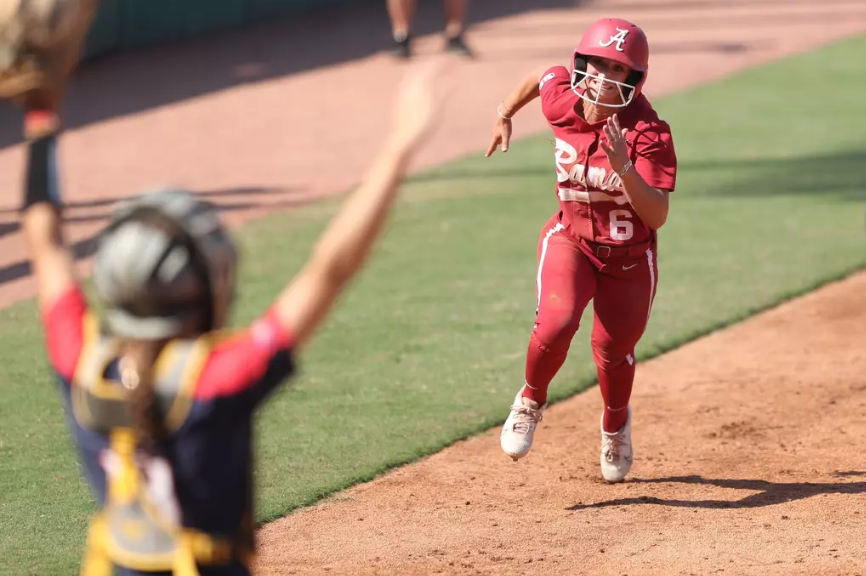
(591, 196)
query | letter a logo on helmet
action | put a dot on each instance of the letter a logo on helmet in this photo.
(619, 38)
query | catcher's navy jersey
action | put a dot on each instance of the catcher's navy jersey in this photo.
(203, 471)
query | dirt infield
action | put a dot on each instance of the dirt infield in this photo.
(748, 461)
(746, 441)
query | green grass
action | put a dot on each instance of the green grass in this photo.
(427, 347)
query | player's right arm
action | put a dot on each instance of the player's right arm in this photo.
(525, 92)
(62, 304)
(345, 244)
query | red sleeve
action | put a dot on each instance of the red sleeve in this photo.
(254, 361)
(64, 331)
(554, 84)
(655, 157)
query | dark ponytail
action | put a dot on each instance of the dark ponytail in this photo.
(137, 374)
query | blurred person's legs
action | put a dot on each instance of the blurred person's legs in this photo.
(402, 13)
(455, 16)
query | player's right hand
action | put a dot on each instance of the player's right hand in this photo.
(501, 136)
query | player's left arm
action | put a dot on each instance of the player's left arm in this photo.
(41, 219)
(651, 204)
(650, 199)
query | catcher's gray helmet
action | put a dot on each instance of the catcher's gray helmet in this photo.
(165, 266)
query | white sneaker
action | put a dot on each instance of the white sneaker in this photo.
(616, 451)
(519, 428)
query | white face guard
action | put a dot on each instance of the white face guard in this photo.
(580, 85)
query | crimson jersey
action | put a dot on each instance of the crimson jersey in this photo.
(591, 196)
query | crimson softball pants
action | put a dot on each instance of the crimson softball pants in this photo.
(622, 290)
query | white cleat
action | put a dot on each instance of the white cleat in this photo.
(519, 428)
(616, 451)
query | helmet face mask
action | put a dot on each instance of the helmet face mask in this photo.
(581, 78)
(614, 40)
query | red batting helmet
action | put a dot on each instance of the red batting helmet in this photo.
(617, 40)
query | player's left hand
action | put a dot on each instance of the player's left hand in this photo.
(616, 146)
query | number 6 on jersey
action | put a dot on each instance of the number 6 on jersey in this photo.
(621, 230)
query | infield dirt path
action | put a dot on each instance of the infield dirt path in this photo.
(747, 441)
(748, 461)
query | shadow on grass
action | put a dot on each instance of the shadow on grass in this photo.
(843, 174)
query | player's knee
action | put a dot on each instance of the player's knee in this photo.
(556, 329)
(609, 354)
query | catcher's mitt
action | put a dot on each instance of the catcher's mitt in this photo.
(40, 45)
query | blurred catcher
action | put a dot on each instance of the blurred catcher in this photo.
(40, 46)
(159, 394)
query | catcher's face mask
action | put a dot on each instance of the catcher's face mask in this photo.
(158, 282)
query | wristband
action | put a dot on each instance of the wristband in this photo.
(39, 123)
(501, 115)
(42, 185)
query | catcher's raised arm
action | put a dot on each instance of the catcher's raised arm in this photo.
(40, 46)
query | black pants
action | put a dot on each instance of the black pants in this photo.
(233, 569)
